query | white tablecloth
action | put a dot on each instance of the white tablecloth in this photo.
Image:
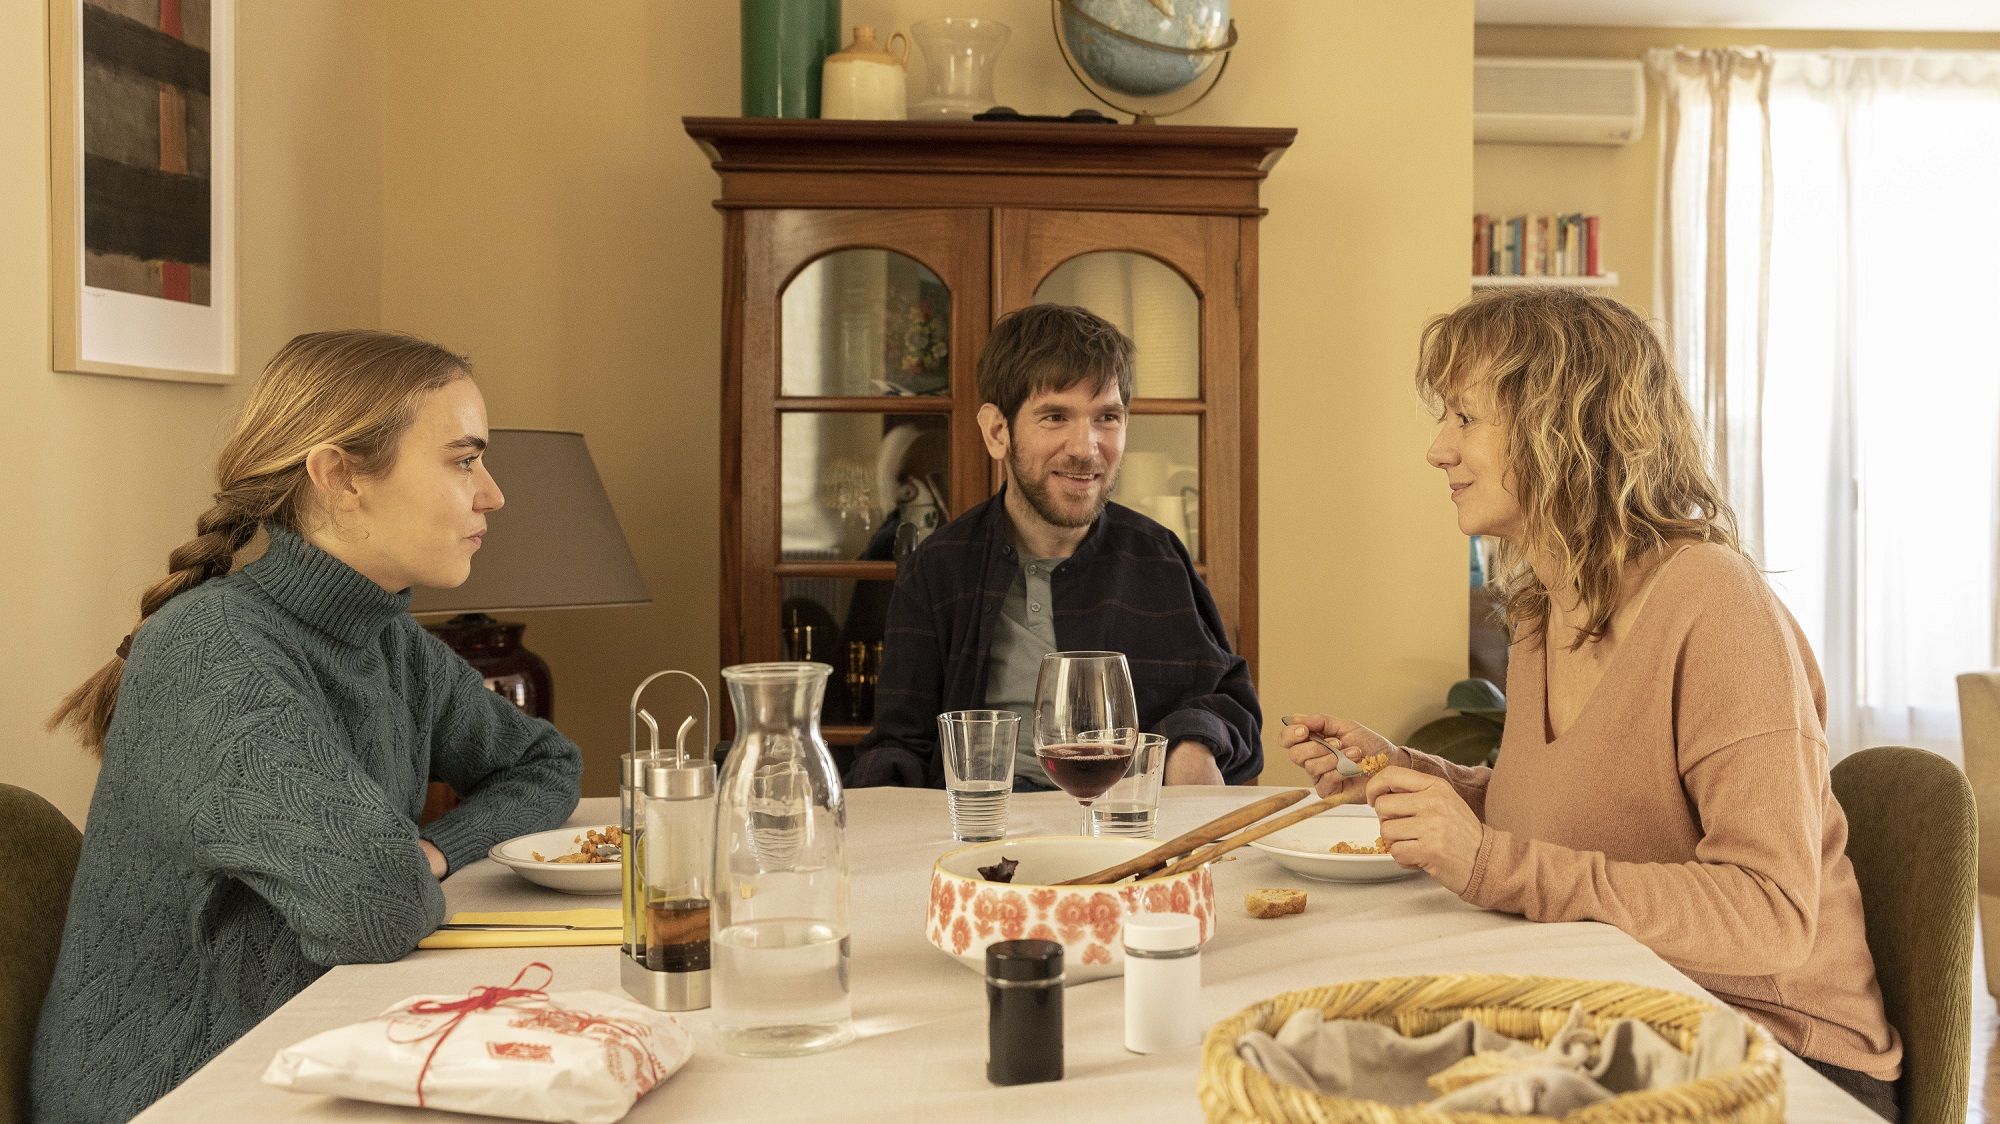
(922, 1017)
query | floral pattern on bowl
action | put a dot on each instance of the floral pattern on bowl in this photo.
(966, 912)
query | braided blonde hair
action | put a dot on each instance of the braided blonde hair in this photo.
(358, 390)
(1605, 454)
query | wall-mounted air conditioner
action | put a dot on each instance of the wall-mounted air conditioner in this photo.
(1558, 101)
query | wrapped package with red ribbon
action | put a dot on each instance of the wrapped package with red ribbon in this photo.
(518, 1051)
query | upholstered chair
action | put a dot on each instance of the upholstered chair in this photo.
(1912, 836)
(39, 851)
(1979, 718)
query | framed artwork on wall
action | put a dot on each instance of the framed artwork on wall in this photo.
(142, 178)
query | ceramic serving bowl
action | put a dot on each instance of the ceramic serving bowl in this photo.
(967, 912)
(518, 854)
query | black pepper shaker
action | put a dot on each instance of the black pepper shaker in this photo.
(1024, 1012)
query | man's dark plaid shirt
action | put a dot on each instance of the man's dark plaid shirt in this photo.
(1130, 587)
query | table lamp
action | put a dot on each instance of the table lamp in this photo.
(555, 544)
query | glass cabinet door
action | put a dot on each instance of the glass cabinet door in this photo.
(850, 483)
(1161, 476)
(1169, 282)
(1149, 302)
(1158, 309)
(854, 488)
(864, 322)
(860, 333)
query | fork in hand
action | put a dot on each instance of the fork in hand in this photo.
(1341, 762)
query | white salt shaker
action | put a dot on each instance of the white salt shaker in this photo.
(1162, 982)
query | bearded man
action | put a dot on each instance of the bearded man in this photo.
(1051, 564)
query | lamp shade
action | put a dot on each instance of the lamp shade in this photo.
(555, 544)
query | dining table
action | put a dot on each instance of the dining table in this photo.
(921, 1015)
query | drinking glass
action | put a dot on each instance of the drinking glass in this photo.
(1086, 723)
(1128, 807)
(978, 748)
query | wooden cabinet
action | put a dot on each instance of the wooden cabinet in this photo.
(864, 263)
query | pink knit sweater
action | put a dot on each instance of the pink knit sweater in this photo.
(1689, 805)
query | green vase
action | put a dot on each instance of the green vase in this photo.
(784, 44)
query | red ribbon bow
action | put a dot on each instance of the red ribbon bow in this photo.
(487, 998)
(481, 999)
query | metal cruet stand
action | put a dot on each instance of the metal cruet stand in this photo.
(667, 808)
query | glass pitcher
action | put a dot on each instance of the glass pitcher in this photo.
(779, 983)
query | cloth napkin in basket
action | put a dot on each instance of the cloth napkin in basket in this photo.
(612, 931)
(1496, 1074)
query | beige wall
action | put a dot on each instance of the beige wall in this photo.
(1621, 183)
(102, 476)
(528, 196)
(1363, 570)
(544, 211)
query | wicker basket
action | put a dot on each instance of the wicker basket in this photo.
(1530, 1008)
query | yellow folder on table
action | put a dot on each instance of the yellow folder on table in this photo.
(604, 927)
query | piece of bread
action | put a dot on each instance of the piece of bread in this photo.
(1274, 903)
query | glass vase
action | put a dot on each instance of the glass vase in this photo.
(958, 66)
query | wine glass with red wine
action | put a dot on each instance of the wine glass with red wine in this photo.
(1086, 723)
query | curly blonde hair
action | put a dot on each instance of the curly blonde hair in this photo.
(1604, 454)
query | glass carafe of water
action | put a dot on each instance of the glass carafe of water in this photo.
(780, 950)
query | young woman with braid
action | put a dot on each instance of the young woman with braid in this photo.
(1664, 767)
(267, 732)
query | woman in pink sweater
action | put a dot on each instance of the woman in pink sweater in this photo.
(1664, 767)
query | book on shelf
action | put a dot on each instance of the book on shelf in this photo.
(1549, 245)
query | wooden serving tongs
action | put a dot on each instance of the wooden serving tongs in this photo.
(1212, 840)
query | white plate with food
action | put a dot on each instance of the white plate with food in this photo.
(564, 859)
(1336, 846)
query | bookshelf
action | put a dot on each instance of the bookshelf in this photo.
(1601, 281)
(1514, 251)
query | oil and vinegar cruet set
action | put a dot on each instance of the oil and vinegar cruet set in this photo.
(735, 887)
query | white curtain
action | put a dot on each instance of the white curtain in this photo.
(1859, 389)
(1714, 274)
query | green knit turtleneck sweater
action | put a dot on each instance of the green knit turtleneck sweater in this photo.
(255, 819)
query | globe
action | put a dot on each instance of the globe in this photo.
(1140, 69)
